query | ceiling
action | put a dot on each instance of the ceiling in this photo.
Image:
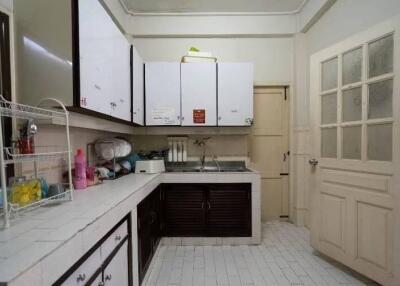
(213, 6)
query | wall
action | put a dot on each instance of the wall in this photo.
(272, 57)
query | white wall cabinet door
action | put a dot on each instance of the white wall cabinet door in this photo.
(235, 94)
(138, 88)
(116, 273)
(121, 85)
(104, 62)
(163, 93)
(199, 94)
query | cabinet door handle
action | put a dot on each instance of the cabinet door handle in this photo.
(108, 277)
(81, 277)
(101, 283)
(209, 205)
(202, 205)
(117, 237)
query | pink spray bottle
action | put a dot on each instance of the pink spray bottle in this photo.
(80, 170)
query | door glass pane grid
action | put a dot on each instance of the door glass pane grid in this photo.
(380, 56)
(352, 67)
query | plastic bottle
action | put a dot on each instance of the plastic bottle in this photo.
(80, 170)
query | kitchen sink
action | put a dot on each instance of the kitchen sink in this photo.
(209, 167)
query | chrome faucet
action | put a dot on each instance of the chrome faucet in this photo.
(202, 143)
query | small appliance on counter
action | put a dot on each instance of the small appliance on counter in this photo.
(150, 166)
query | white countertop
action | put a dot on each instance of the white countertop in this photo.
(38, 233)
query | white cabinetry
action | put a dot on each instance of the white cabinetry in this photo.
(87, 269)
(163, 93)
(199, 94)
(235, 94)
(137, 88)
(104, 55)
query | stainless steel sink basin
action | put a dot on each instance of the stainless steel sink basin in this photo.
(209, 167)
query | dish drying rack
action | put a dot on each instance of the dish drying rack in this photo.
(48, 109)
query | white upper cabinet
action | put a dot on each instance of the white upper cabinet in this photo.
(199, 94)
(137, 88)
(104, 55)
(163, 93)
(235, 94)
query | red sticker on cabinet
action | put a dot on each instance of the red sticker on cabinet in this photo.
(199, 116)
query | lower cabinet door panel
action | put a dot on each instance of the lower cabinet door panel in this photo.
(184, 210)
(82, 274)
(229, 210)
(116, 273)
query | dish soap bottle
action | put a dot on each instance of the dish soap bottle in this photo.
(80, 170)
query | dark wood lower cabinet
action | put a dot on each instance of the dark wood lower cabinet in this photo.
(228, 210)
(184, 209)
(207, 209)
(149, 221)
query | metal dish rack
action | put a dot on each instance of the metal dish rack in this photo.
(47, 110)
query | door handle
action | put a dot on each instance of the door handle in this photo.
(313, 162)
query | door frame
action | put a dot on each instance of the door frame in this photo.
(350, 254)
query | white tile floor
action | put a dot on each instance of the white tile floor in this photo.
(284, 258)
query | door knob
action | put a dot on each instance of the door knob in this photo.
(313, 162)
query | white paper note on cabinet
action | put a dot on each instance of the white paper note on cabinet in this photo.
(164, 115)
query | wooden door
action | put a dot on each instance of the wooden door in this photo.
(163, 93)
(116, 273)
(184, 210)
(137, 88)
(229, 210)
(199, 94)
(355, 206)
(269, 150)
(235, 94)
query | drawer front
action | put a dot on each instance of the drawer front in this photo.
(113, 240)
(81, 275)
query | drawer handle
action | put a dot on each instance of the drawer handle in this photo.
(117, 237)
(101, 283)
(81, 277)
(108, 277)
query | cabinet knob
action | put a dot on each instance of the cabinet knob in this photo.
(108, 277)
(219, 117)
(101, 283)
(117, 237)
(81, 277)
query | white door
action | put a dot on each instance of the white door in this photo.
(163, 93)
(235, 94)
(199, 94)
(355, 206)
(138, 88)
(116, 273)
(269, 146)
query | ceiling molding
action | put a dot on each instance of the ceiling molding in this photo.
(134, 13)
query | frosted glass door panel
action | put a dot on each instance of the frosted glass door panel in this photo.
(352, 66)
(163, 93)
(380, 53)
(329, 74)
(380, 98)
(329, 108)
(351, 142)
(329, 142)
(380, 142)
(352, 104)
